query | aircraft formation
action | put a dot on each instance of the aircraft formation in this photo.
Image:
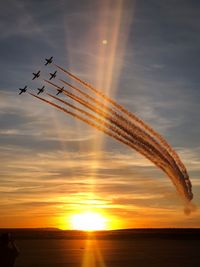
(36, 75)
(106, 115)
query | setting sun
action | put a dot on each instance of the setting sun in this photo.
(89, 221)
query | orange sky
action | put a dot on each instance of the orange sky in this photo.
(53, 166)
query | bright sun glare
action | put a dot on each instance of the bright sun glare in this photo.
(89, 221)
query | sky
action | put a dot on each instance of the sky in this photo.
(144, 54)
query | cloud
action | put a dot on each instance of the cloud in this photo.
(50, 164)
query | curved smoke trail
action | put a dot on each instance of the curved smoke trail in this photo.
(135, 119)
(123, 138)
(137, 126)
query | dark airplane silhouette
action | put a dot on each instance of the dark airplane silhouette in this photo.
(48, 61)
(60, 90)
(40, 90)
(53, 75)
(23, 90)
(36, 75)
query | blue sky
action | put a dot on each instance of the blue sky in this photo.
(52, 165)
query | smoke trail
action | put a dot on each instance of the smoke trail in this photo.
(136, 119)
(142, 124)
(117, 135)
(152, 152)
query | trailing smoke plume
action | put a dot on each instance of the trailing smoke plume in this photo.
(108, 116)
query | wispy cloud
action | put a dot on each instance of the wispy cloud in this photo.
(50, 164)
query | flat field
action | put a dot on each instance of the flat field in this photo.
(121, 249)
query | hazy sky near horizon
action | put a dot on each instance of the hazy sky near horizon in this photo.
(53, 166)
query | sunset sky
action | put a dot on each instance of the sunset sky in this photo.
(144, 54)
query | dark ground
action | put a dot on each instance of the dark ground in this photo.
(126, 248)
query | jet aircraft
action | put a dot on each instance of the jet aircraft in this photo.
(36, 75)
(53, 75)
(40, 90)
(48, 60)
(60, 90)
(23, 90)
